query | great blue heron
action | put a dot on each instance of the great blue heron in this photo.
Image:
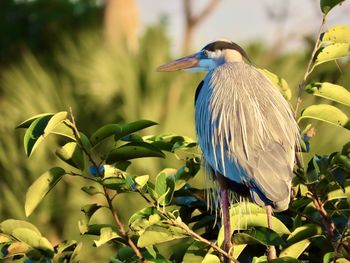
(245, 127)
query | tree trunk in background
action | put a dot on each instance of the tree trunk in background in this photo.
(121, 23)
(192, 21)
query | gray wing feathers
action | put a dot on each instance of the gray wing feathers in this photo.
(244, 124)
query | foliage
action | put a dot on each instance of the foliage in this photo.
(315, 228)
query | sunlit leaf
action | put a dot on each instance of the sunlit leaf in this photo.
(304, 232)
(32, 239)
(327, 5)
(296, 249)
(107, 234)
(28, 122)
(143, 219)
(337, 34)
(141, 180)
(17, 248)
(89, 210)
(133, 150)
(279, 82)
(331, 52)
(195, 252)
(329, 91)
(105, 132)
(335, 192)
(326, 113)
(264, 236)
(156, 234)
(39, 189)
(39, 129)
(72, 154)
(9, 225)
(165, 186)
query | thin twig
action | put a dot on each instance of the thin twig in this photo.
(336, 250)
(122, 228)
(310, 67)
(118, 223)
(187, 229)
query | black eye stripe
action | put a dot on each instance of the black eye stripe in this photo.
(220, 45)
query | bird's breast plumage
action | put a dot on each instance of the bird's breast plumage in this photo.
(246, 131)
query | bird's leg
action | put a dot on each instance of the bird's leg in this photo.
(271, 250)
(225, 205)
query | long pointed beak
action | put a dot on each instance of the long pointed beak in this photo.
(179, 64)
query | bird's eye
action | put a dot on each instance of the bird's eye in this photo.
(205, 53)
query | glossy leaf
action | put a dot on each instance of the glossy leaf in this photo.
(133, 151)
(337, 34)
(331, 52)
(25, 124)
(165, 186)
(262, 236)
(107, 234)
(32, 239)
(39, 129)
(279, 82)
(326, 113)
(143, 219)
(9, 225)
(105, 132)
(327, 5)
(39, 189)
(156, 234)
(142, 180)
(72, 154)
(335, 192)
(304, 232)
(329, 91)
(131, 127)
(296, 249)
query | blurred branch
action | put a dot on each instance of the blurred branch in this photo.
(192, 20)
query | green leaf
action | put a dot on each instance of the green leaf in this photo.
(9, 225)
(326, 113)
(17, 248)
(142, 180)
(337, 34)
(156, 234)
(105, 132)
(296, 249)
(132, 127)
(195, 252)
(41, 128)
(25, 124)
(304, 232)
(165, 186)
(327, 5)
(32, 239)
(72, 154)
(264, 236)
(89, 210)
(329, 91)
(133, 150)
(91, 190)
(39, 189)
(144, 218)
(335, 192)
(107, 234)
(331, 52)
(251, 215)
(279, 82)
(238, 249)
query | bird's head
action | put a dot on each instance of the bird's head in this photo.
(212, 55)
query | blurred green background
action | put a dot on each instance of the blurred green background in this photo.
(95, 57)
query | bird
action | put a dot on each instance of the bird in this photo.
(245, 128)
